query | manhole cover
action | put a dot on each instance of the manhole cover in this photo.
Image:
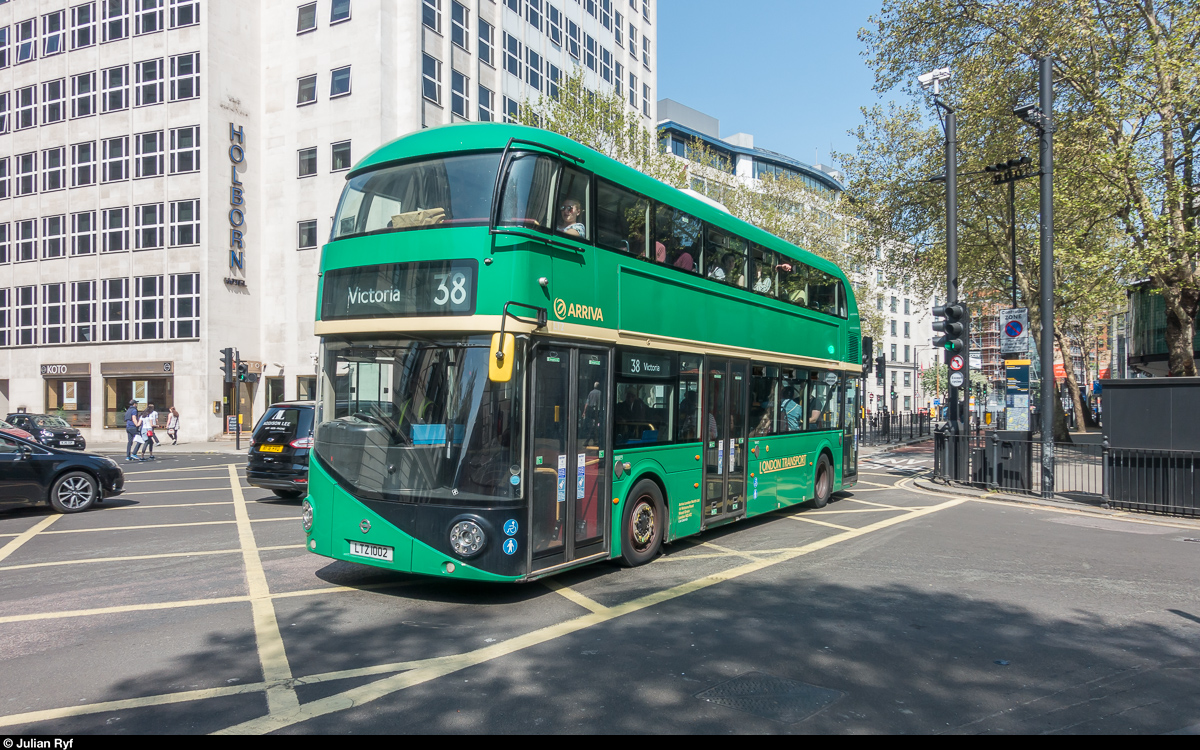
(786, 701)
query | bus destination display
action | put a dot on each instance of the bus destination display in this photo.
(426, 288)
(638, 364)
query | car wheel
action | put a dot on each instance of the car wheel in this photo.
(642, 524)
(288, 494)
(74, 492)
(822, 482)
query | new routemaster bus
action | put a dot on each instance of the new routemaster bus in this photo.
(534, 357)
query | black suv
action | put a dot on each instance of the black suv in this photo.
(279, 449)
(49, 430)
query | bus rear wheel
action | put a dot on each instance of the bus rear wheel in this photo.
(642, 524)
(822, 482)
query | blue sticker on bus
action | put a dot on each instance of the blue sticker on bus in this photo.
(514, 480)
(510, 546)
(510, 527)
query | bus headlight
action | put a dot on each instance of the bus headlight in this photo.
(467, 538)
(306, 515)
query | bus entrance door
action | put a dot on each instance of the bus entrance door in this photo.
(570, 455)
(725, 405)
(850, 435)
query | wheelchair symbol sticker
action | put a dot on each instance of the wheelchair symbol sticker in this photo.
(510, 527)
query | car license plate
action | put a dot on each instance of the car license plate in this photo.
(66, 442)
(270, 448)
(373, 551)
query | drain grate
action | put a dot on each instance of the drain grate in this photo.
(774, 698)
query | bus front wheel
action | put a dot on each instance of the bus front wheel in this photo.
(822, 482)
(642, 524)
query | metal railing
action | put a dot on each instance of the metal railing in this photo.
(1153, 481)
(879, 429)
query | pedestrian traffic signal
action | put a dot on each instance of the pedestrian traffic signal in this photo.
(227, 364)
(243, 369)
(953, 328)
(880, 369)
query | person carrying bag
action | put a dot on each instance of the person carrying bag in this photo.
(173, 426)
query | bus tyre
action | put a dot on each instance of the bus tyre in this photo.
(642, 524)
(74, 492)
(822, 482)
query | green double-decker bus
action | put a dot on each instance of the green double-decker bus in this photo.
(534, 357)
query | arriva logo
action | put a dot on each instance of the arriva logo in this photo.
(564, 310)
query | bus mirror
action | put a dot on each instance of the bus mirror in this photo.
(501, 356)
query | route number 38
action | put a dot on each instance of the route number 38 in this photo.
(455, 293)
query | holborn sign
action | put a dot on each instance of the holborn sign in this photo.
(237, 199)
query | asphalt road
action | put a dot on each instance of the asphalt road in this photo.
(189, 605)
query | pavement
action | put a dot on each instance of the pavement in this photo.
(189, 605)
(213, 447)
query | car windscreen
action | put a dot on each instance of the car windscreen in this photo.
(52, 422)
(286, 422)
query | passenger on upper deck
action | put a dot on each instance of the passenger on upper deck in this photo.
(570, 215)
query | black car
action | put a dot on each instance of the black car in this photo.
(31, 473)
(49, 430)
(279, 448)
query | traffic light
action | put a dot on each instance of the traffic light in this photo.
(227, 364)
(868, 349)
(243, 370)
(953, 328)
(880, 369)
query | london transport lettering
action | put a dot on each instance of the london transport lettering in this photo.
(770, 465)
(237, 199)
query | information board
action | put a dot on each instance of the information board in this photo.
(1016, 411)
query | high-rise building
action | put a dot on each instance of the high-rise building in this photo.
(169, 169)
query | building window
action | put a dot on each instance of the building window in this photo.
(148, 226)
(54, 33)
(83, 94)
(512, 55)
(460, 25)
(185, 77)
(26, 107)
(646, 52)
(25, 321)
(533, 13)
(4, 191)
(487, 111)
(306, 18)
(893, 359)
(512, 110)
(26, 240)
(4, 116)
(340, 156)
(459, 100)
(646, 99)
(431, 14)
(83, 26)
(3, 47)
(114, 159)
(485, 43)
(185, 223)
(306, 90)
(114, 309)
(54, 101)
(114, 228)
(116, 88)
(573, 40)
(619, 80)
(633, 91)
(431, 79)
(606, 19)
(148, 16)
(633, 37)
(149, 157)
(54, 169)
(149, 89)
(589, 52)
(907, 399)
(148, 307)
(554, 25)
(26, 40)
(606, 65)
(340, 11)
(5, 317)
(646, 9)
(893, 325)
(306, 234)
(5, 243)
(307, 158)
(533, 72)
(54, 313)
(907, 329)
(83, 233)
(185, 305)
(83, 312)
(185, 13)
(116, 19)
(553, 75)
(54, 236)
(618, 29)
(907, 307)
(590, 7)
(339, 82)
(893, 303)
(27, 173)
(185, 149)
(907, 350)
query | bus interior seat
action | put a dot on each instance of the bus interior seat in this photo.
(649, 436)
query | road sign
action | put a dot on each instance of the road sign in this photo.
(957, 379)
(1014, 331)
(956, 362)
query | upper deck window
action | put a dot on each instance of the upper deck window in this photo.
(451, 191)
(541, 193)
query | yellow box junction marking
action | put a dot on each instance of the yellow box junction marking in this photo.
(26, 535)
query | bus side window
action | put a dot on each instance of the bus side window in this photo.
(620, 220)
(689, 399)
(571, 218)
(527, 190)
(764, 398)
(725, 257)
(763, 263)
(678, 238)
(792, 392)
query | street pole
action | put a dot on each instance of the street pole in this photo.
(1012, 230)
(957, 405)
(1046, 133)
(237, 404)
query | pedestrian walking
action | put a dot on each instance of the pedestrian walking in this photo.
(173, 426)
(145, 440)
(152, 415)
(133, 424)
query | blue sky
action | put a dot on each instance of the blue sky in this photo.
(788, 71)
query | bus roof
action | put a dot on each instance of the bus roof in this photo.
(479, 136)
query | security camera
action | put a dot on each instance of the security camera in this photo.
(933, 79)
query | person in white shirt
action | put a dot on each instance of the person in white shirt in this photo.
(173, 426)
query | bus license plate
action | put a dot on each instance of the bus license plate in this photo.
(270, 449)
(373, 551)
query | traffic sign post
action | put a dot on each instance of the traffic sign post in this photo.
(1014, 331)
